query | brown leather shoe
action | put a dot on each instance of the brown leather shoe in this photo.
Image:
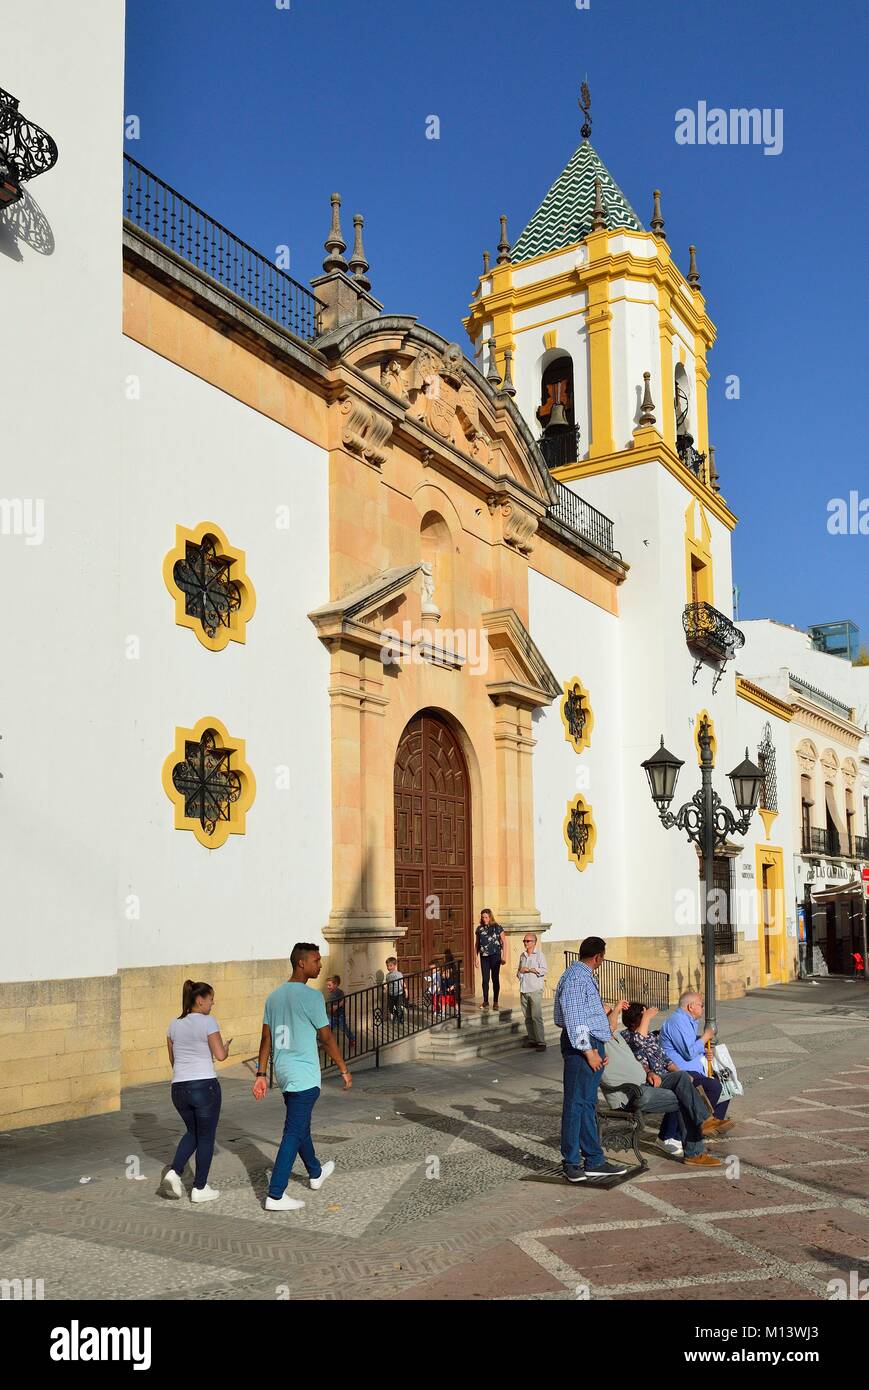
(703, 1161)
(712, 1128)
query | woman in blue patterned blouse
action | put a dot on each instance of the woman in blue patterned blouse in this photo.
(647, 1049)
(491, 949)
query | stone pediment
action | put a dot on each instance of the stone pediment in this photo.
(370, 604)
(439, 389)
(521, 673)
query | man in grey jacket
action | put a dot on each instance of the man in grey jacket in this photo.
(673, 1092)
(531, 975)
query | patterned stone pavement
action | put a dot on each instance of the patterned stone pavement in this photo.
(445, 1186)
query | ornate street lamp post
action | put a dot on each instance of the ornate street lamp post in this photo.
(707, 823)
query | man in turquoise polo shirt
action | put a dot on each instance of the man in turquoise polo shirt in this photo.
(295, 1021)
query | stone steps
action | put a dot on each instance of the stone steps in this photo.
(482, 1035)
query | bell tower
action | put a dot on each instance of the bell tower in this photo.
(605, 340)
(581, 307)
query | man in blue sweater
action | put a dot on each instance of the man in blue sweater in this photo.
(687, 1049)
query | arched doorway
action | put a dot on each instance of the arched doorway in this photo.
(433, 889)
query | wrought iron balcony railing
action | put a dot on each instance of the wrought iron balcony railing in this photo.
(818, 841)
(573, 511)
(25, 149)
(859, 847)
(560, 446)
(170, 218)
(711, 636)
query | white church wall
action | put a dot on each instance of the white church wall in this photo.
(60, 265)
(578, 639)
(193, 454)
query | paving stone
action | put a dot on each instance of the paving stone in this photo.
(634, 1255)
(842, 1237)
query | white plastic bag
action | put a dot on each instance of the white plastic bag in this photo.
(723, 1068)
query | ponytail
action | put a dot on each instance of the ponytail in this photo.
(192, 990)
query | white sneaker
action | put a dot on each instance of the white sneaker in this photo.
(282, 1204)
(204, 1194)
(328, 1170)
(173, 1183)
(673, 1147)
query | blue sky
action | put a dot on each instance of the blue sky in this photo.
(258, 113)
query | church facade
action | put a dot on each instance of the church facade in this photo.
(341, 631)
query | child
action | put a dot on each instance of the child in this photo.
(395, 989)
(335, 1006)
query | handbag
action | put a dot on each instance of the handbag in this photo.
(723, 1068)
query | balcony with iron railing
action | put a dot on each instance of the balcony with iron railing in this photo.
(711, 636)
(162, 213)
(821, 841)
(580, 516)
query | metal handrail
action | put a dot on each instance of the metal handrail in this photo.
(366, 1020)
(157, 208)
(616, 980)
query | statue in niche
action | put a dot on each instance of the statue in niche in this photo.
(429, 607)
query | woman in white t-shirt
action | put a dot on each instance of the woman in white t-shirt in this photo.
(194, 1042)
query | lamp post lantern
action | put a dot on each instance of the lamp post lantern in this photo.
(707, 822)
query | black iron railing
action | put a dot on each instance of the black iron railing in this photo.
(615, 980)
(170, 218)
(560, 446)
(817, 841)
(710, 632)
(693, 460)
(573, 511)
(861, 847)
(366, 1020)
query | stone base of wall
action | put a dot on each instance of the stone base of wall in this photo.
(59, 1050)
(67, 1047)
(151, 997)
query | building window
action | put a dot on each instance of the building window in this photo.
(576, 714)
(580, 832)
(206, 577)
(721, 903)
(209, 782)
(766, 763)
(559, 442)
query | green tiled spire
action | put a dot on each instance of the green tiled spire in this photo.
(566, 214)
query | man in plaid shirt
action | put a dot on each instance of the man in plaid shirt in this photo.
(585, 1028)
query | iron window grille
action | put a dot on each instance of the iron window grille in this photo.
(207, 781)
(210, 595)
(766, 763)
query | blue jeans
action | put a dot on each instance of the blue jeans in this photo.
(198, 1104)
(338, 1023)
(296, 1140)
(579, 1134)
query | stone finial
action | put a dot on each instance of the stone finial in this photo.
(503, 245)
(508, 389)
(647, 409)
(657, 222)
(335, 243)
(358, 263)
(485, 263)
(693, 272)
(599, 223)
(493, 376)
